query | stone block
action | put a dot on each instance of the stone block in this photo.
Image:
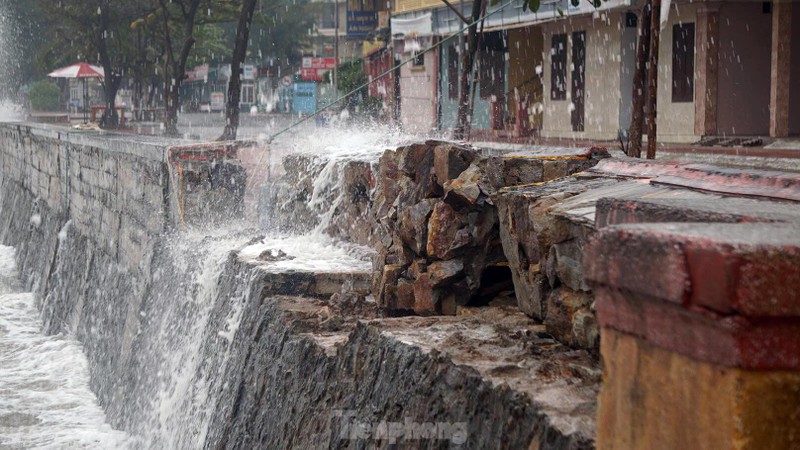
(569, 264)
(385, 289)
(450, 160)
(518, 170)
(553, 170)
(412, 225)
(443, 232)
(416, 163)
(404, 296)
(657, 399)
(465, 189)
(563, 305)
(426, 298)
(530, 292)
(441, 273)
(585, 329)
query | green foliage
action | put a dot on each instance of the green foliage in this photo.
(351, 75)
(45, 96)
(280, 30)
(73, 29)
(213, 44)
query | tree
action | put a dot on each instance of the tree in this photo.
(235, 82)
(113, 76)
(45, 96)
(638, 95)
(646, 70)
(652, 77)
(464, 114)
(91, 31)
(179, 23)
(280, 31)
(176, 14)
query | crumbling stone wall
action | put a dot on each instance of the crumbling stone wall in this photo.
(544, 245)
(438, 228)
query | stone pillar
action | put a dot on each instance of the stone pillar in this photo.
(700, 335)
(706, 75)
(780, 68)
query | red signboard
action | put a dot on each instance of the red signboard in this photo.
(314, 68)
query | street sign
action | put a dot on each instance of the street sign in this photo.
(362, 18)
(305, 98)
(217, 101)
(314, 68)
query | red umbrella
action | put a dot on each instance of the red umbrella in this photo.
(82, 71)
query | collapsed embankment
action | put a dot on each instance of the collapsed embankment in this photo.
(193, 343)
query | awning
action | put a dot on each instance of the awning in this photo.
(417, 26)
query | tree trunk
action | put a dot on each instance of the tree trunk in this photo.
(464, 115)
(637, 107)
(175, 68)
(172, 97)
(235, 84)
(110, 119)
(652, 78)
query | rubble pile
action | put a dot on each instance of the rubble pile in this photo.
(438, 231)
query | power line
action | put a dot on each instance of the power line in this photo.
(438, 44)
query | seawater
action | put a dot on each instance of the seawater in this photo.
(45, 400)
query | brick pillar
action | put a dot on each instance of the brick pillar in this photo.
(700, 335)
(705, 86)
(780, 68)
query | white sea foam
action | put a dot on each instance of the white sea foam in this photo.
(310, 253)
(45, 400)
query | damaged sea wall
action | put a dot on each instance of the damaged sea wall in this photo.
(192, 344)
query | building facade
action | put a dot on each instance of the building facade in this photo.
(725, 69)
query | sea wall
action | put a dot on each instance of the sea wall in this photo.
(191, 343)
(85, 213)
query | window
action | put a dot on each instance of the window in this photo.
(492, 65)
(558, 67)
(683, 63)
(419, 60)
(578, 81)
(75, 92)
(452, 72)
(631, 21)
(327, 18)
(248, 94)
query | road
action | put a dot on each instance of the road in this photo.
(209, 126)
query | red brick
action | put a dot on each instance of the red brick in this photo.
(732, 341)
(637, 261)
(769, 283)
(713, 273)
(742, 307)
